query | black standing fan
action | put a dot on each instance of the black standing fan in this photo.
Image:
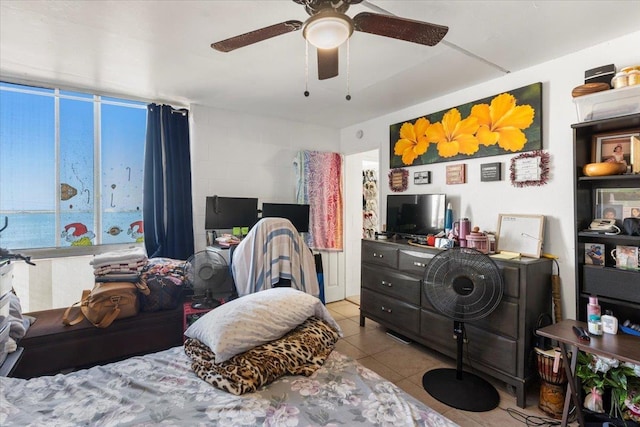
(465, 285)
(208, 274)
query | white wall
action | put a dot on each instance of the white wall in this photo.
(483, 201)
(240, 155)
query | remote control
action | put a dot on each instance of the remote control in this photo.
(581, 334)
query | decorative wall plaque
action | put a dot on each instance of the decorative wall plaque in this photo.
(423, 177)
(529, 169)
(491, 171)
(456, 174)
(398, 179)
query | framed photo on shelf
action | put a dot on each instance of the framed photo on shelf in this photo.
(617, 203)
(626, 257)
(594, 254)
(613, 147)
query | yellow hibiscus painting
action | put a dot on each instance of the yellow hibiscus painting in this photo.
(507, 123)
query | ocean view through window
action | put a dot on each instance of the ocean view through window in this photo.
(70, 168)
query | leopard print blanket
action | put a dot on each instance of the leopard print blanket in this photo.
(300, 352)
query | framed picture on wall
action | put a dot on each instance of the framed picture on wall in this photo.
(457, 174)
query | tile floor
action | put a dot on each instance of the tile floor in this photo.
(405, 364)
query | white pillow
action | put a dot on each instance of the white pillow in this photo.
(256, 319)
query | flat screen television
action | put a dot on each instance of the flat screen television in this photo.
(415, 214)
(297, 214)
(222, 213)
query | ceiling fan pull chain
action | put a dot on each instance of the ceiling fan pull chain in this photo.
(306, 68)
(348, 66)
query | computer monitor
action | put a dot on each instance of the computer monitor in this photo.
(222, 213)
(297, 214)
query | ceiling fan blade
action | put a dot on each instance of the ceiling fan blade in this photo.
(400, 28)
(256, 36)
(327, 63)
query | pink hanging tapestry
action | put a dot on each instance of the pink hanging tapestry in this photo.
(319, 185)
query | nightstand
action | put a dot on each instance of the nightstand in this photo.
(191, 314)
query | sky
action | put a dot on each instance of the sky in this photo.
(27, 151)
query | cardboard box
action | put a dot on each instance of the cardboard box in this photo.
(602, 74)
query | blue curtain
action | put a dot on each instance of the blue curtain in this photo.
(167, 202)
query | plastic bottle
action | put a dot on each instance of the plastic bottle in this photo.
(594, 322)
(448, 219)
(609, 323)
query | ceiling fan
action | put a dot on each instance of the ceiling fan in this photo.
(328, 27)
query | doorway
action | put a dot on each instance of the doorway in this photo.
(361, 195)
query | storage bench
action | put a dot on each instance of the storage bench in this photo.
(51, 347)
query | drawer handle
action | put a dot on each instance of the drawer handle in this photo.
(389, 284)
(419, 264)
(377, 255)
(386, 310)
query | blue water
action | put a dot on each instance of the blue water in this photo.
(37, 229)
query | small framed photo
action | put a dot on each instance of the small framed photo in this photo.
(626, 257)
(635, 154)
(613, 147)
(594, 254)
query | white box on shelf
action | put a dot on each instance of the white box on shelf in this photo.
(608, 103)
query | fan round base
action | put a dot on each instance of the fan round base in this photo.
(471, 393)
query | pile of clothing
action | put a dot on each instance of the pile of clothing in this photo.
(119, 266)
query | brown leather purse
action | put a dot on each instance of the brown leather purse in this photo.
(106, 302)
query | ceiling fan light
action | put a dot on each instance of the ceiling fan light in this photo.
(328, 32)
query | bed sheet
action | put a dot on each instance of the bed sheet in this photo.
(161, 389)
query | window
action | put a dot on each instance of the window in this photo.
(70, 168)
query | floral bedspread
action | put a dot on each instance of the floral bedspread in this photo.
(161, 388)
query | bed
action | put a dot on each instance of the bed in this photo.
(164, 388)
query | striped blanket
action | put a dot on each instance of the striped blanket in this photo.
(273, 250)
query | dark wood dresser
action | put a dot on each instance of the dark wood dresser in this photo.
(500, 345)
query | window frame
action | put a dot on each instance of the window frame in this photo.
(97, 101)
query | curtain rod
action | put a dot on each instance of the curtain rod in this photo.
(49, 85)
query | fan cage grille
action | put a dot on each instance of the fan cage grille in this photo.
(207, 272)
(463, 284)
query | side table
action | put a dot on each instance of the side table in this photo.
(192, 314)
(623, 347)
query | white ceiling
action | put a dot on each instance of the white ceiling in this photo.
(160, 51)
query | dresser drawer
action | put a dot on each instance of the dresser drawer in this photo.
(390, 311)
(392, 283)
(413, 261)
(380, 254)
(504, 320)
(437, 331)
(511, 280)
(493, 350)
(490, 349)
